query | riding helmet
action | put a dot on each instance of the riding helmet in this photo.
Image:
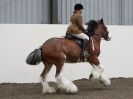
(78, 6)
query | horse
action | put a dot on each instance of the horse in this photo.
(57, 51)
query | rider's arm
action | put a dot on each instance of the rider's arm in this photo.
(80, 24)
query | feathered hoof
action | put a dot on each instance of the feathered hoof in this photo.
(91, 77)
(69, 88)
(49, 90)
(105, 81)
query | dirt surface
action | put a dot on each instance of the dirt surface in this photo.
(121, 88)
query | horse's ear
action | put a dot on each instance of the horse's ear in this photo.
(102, 21)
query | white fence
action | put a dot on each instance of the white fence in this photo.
(17, 41)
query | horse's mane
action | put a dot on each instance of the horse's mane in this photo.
(92, 24)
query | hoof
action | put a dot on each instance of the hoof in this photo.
(91, 77)
(105, 81)
(72, 89)
(49, 90)
(94, 77)
(69, 88)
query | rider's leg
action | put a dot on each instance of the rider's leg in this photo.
(85, 39)
(81, 36)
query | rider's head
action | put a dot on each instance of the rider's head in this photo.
(78, 7)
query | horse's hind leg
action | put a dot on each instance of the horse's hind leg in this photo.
(63, 84)
(45, 85)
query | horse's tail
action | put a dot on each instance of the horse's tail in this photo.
(34, 57)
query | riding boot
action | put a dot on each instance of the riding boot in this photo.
(84, 49)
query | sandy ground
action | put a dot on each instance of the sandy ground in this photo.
(121, 88)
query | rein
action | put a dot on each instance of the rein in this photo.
(97, 34)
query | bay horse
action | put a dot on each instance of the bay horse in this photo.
(57, 51)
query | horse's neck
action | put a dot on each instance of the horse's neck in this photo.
(97, 39)
(95, 42)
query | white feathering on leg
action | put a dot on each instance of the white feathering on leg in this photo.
(104, 80)
(65, 85)
(97, 71)
(47, 88)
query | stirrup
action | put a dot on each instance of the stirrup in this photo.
(84, 55)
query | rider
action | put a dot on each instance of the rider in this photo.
(76, 27)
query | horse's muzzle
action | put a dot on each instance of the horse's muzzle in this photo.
(106, 37)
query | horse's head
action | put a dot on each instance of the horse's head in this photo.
(97, 28)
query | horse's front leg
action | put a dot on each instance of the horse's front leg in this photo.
(97, 73)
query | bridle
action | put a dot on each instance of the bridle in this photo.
(98, 34)
(93, 27)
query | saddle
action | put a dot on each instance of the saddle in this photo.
(83, 45)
